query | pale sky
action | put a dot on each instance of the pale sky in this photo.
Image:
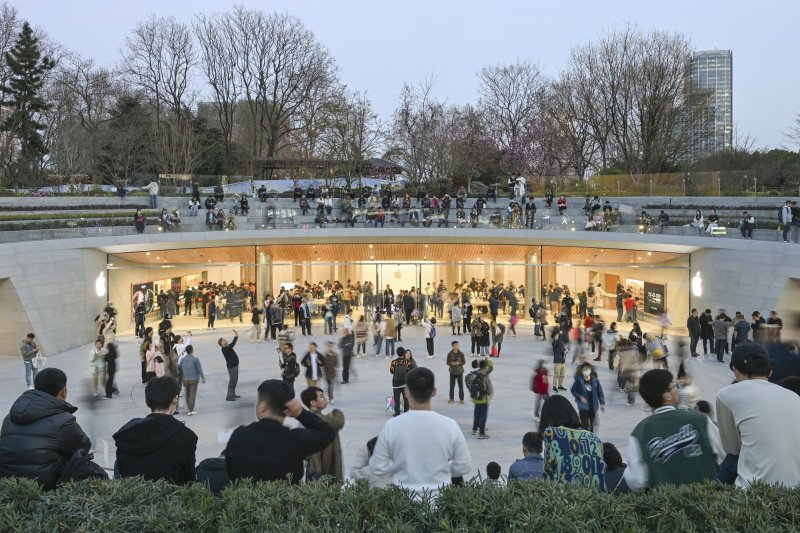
(379, 45)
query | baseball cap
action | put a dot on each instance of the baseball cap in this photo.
(743, 350)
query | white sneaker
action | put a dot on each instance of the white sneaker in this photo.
(191, 413)
(30, 387)
(430, 357)
(331, 401)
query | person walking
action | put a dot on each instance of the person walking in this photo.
(330, 362)
(610, 339)
(559, 360)
(346, 344)
(314, 363)
(305, 318)
(29, 351)
(378, 330)
(588, 394)
(110, 357)
(192, 373)
(255, 331)
(97, 366)
(540, 385)
(455, 318)
(695, 330)
(232, 364)
(455, 367)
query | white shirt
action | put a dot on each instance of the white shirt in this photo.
(421, 450)
(138, 298)
(180, 349)
(637, 474)
(760, 422)
(314, 366)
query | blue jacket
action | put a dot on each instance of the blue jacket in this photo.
(559, 352)
(529, 467)
(597, 397)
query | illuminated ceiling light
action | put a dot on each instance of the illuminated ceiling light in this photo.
(426, 246)
(148, 253)
(371, 246)
(649, 253)
(372, 257)
(639, 258)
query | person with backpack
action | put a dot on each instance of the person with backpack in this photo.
(430, 334)
(480, 392)
(399, 368)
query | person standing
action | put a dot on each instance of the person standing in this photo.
(588, 394)
(314, 363)
(152, 190)
(275, 320)
(786, 219)
(455, 367)
(671, 446)
(327, 462)
(720, 327)
(707, 331)
(232, 364)
(211, 312)
(255, 331)
(97, 366)
(192, 372)
(695, 330)
(362, 332)
(305, 318)
(498, 331)
(430, 334)
(480, 392)
(29, 350)
(759, 421)
(609, 341)
(455, 318)
(399, 368)
(389, 335)
(330, 362)
(417, 463)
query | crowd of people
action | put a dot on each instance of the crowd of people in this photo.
(678, 443)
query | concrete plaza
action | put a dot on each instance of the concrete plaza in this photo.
(363, 400)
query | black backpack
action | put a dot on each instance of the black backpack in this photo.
(476, 385)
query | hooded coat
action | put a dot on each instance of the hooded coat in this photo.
(156, 447)
(38, 437)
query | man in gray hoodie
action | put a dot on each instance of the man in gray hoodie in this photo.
(29, 350)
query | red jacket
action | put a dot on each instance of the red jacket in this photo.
(539, 385)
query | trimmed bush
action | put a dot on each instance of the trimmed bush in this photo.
(137, 505)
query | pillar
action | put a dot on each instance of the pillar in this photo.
(264, 275)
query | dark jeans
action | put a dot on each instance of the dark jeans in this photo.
(273, 330)
(346, 368)
(475, 346)
(397, 393)
(111, 370)
(429, 345)
(480, 414)
(457, 378)
(211, 318)
(144, 372)
(306, 326)
(747, 230)
(695, 338)
(719, 348)
(587, 420)
(619, 313)
(708, 345)
(233, 379)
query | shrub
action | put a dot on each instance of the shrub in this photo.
(137, 505)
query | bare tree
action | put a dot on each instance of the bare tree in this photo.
(10, 25)
(158, 58)
(793, 135)
(636, 98)
(416, 125)
(219, 60)
(353, 134)
(511, 96)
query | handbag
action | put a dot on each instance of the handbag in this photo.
(390, 404)
(39, 361)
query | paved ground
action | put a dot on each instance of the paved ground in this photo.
(363, 400)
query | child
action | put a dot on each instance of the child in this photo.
(540, 386)
(493, 476)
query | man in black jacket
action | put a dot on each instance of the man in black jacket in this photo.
(157, 446)
(266, 450)
(693, 325)
(40, 433)
(232, 363)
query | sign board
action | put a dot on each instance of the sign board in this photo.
(654, 298)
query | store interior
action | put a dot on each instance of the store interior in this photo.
(660, 279)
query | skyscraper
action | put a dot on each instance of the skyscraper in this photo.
(711, 72)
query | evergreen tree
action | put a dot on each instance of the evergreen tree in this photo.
(23, 105)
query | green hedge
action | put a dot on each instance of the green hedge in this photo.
(73, 216)
(136, 505)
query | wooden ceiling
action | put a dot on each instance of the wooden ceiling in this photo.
(440, 253)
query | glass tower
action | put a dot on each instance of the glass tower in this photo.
(711, 72)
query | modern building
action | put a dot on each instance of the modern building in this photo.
(711, 72)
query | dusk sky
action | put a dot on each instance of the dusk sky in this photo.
(380, 45)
